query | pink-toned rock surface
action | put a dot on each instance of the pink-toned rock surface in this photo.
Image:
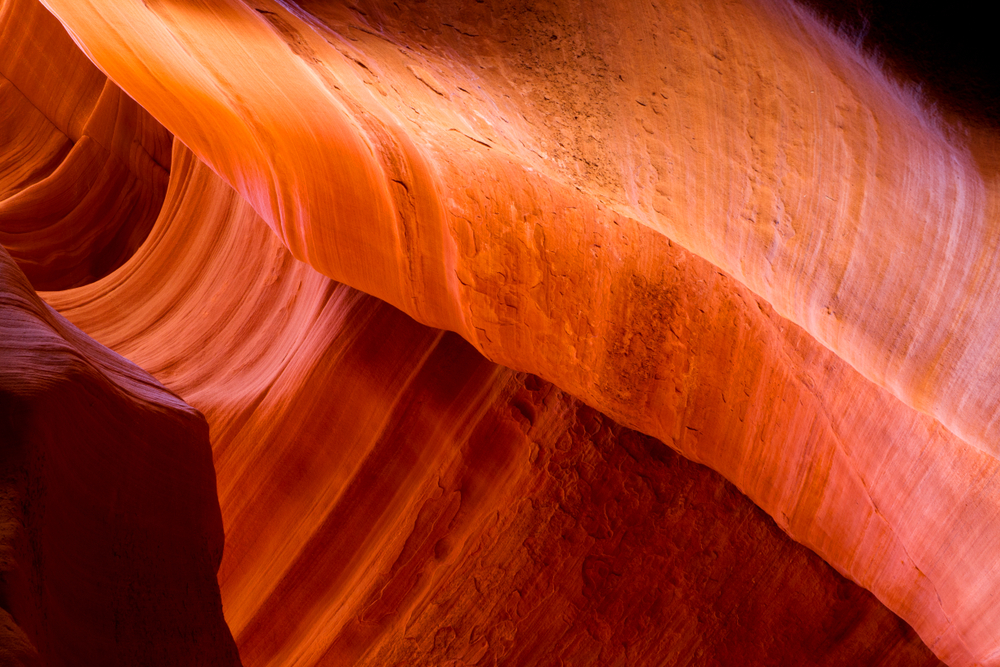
(110, 532)
(393, 498)
(716, 223)
(404, 134)
(512, 173)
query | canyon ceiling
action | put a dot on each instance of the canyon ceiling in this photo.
(556, 332)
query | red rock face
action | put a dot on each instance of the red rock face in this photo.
(107, 505)
(677, 214)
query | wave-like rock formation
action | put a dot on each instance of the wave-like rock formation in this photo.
(392, 497)
(717, 224)
(85, 167)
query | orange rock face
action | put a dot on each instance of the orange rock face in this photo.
(446, 508)
(701, 220)
(85, 168)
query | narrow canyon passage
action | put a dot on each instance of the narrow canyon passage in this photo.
(430, 273)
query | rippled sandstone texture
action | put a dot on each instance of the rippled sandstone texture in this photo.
(392, 497)
(85, 168)
(512, 173)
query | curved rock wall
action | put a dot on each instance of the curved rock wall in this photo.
(83, 168)
(409, 153)
(704, 123)
(717, 224)
(393, 498)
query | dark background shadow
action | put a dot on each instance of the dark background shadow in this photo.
(950, 49)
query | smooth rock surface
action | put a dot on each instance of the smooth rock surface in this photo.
(110, 531)
(83, 168)
(509, 173)
(380, 143)
(716, 223)
(393, 498)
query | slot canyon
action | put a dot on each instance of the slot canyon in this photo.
(498, 332)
